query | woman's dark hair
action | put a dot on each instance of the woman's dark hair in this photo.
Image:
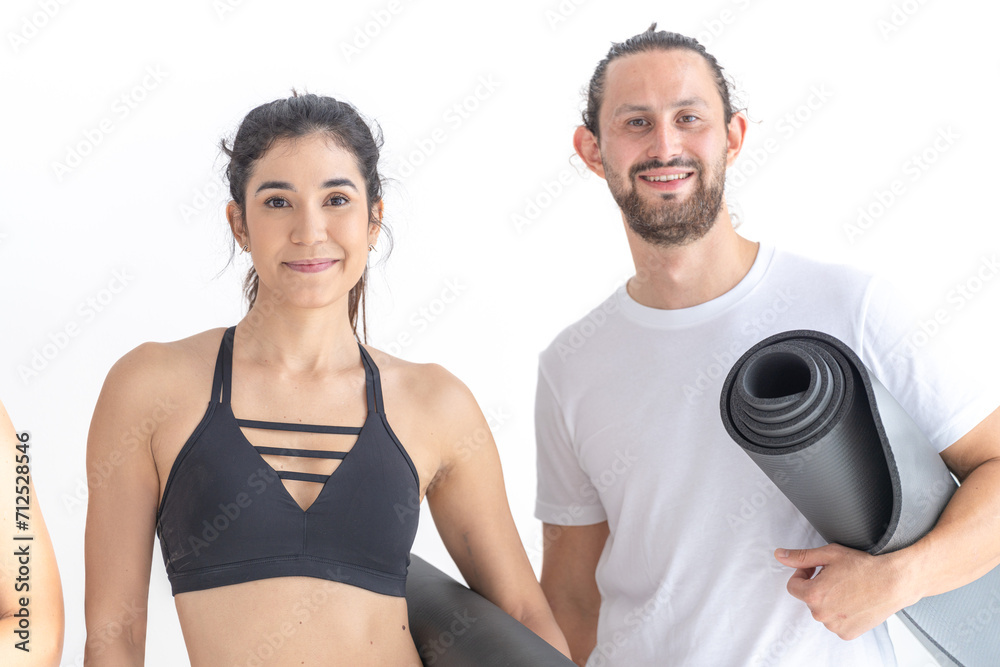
(299, 116)
(651, 40)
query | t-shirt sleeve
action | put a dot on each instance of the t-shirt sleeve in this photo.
(943, 395)
(566, 496)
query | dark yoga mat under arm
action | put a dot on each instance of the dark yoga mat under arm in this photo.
(835, 442)
(454, 627)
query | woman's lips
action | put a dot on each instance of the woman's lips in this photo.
(311, 265)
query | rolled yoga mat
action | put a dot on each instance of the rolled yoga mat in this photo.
(454, 627)
(835, 442)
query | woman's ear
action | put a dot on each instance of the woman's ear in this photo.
(237, 224)
(375, 226)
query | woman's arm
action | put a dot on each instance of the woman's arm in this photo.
(31, 601)
(121, 511)
(469, 505)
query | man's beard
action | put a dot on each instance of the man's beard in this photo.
(668, 222)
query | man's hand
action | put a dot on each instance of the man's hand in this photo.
(853, 591)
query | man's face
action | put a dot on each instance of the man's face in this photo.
(664, 144)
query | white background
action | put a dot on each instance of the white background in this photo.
(145, 199)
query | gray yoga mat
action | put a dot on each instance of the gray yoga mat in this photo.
(454, 627)
(835, 442)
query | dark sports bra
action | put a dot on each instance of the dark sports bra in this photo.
(226, 517)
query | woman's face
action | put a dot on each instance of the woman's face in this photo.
(307, 222)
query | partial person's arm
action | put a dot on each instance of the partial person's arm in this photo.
(31, 600)
(963, 546)
(469, 505)
(121, 513)
(568, 566)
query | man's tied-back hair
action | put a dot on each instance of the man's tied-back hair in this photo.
(651, 40)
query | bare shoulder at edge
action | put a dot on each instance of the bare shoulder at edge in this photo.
(427, 404)
(153, 386)
(160, 366)
(427, 386)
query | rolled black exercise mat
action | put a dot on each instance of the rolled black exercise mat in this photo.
(838, 445)
(454, 627)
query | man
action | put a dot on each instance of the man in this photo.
(664, 543)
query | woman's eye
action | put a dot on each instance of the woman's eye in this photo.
(276, 202)
(338, 200)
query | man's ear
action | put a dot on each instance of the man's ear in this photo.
(585, 144)
(737, 133)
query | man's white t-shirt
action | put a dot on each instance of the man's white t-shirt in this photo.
(629, 431)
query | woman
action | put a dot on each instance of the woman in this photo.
(286, 510)
(31, 602)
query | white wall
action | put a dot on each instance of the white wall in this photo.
(884, 79)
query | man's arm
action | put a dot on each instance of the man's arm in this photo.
(963, 546)
(568, 565)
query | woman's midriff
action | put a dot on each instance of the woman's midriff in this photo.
(295, 621)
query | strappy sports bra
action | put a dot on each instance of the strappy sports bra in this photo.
(226, 517)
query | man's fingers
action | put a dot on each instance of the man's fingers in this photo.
(800, 582)
(803, 558)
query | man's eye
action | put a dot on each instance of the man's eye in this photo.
(689, 118)
(637, 122)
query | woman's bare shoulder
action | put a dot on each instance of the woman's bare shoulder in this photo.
(429, 385)
(159, 363)
(155, 374)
